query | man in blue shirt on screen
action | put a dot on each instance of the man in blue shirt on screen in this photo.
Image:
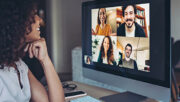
(130, 28)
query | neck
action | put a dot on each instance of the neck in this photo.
(102, 25)
(127, 59)
(105, 53)
(130, 29)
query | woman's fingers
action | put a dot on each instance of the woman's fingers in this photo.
(93, 32)
(37, 52)
(30, 51)
(26, 48)
(37, 49)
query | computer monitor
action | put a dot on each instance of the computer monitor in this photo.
(126, 44)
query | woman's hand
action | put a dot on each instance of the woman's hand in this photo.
(93, 32)
(38, 50)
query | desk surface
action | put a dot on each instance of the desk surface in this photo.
(92, 90)
(96, 92)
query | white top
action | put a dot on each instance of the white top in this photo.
(10, 90)
(105, 60)
(130, 34)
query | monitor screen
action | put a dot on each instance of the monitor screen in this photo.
(126, 38)
(119, 39)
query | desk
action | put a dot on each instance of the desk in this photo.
(96, 92)
(92, 90)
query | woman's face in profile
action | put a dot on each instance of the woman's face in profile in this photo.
(106, 44)
(35, 33)
(102, 15)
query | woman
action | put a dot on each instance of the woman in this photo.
(88, 60)
(19, 33)
(106, 52)
(102, 28)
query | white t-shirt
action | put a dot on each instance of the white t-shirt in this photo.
(105, 60)
(10, 90)
(130, 34)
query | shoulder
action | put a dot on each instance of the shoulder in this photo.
(9, 87)
(1, 85)
(99, 53)
(135, 65)
(123, 60)
(121, 30)
(132, 59)
(108, 25)
(122, 26)
(97, 26)
(100, 57)
(137, 25)
(139, 30)
(21, 65)
(134, 62)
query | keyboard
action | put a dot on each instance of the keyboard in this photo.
(86, 99)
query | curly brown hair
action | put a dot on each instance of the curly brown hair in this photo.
(16, 17)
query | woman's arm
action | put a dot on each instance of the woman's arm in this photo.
(96, 30)
(110, 32)
(38, 49)
(55, 90)
(38, 92)
(113, 34)
(93, 32)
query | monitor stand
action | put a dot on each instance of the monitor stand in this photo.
(127, 97)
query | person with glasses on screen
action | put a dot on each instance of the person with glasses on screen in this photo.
(130, 28)
(127, 62)
(20, 33)
(106, 52)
